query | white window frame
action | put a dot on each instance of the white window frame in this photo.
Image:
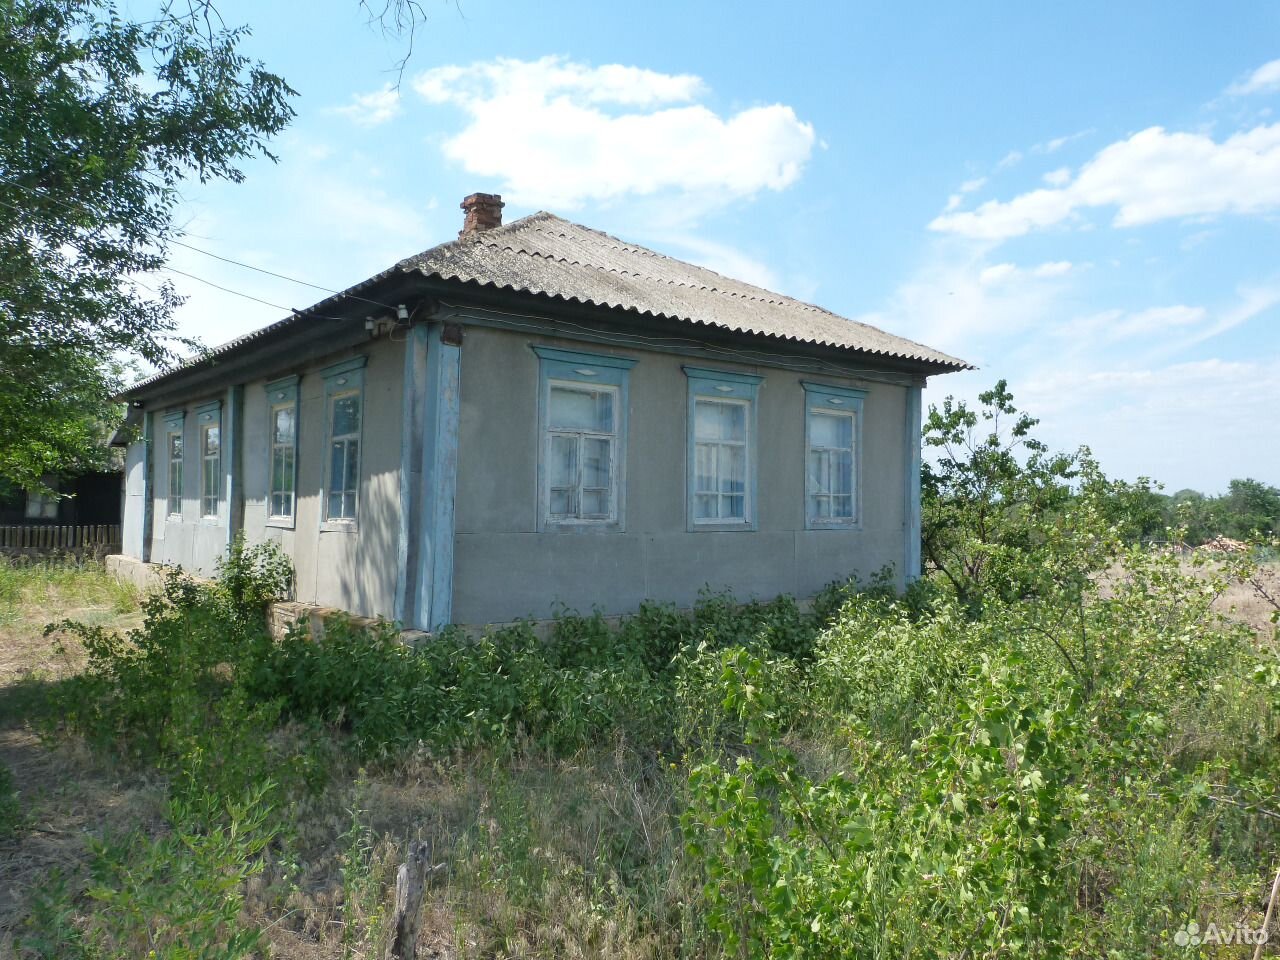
(829, 400)
(343, 379)
(174, 425)
(281, 395)
(722, 386)
(599, 373)
(209, 418)
(45, 504)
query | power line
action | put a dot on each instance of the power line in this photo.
(247, 296)
(207, 253)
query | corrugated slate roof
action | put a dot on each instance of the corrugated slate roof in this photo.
(544, 254)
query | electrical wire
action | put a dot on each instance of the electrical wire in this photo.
(208, 253)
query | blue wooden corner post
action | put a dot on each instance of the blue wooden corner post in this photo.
(911, 558)
(438, 487)
(232, 457)
(148, 482)
(411, 444)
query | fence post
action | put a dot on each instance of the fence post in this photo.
(411, 884)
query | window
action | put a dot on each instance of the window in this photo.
(173, 445)
(42, 506)
(583, 416)
(209, 420)
(210, 469)
(344, 402)
(282, 450)
(721, 453)
(832, 441)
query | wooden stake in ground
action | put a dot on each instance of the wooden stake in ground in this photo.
(411, 883)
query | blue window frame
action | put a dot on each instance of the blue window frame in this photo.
(344, 420)
(721, 449)
(282, 451)
(833, 456)
(582, 428)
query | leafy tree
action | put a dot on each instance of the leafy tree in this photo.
(1249, 507)
(104, 117)
(1000, 515)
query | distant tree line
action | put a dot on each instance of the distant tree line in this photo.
(1248, 508)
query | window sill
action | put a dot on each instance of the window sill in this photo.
(846, 525)
(173, 518)
(719, 526)
(280, 523)
(338, 526)
(581, 526)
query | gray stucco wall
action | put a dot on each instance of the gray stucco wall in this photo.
(187, 539)
(131, 534)
(351, 567)
(504, 569)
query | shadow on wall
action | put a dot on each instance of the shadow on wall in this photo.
(360, 570)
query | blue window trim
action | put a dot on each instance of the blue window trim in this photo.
(823, 396)
(346, 376)
(723, 385)
(572, 366)
(208, 415)
(174, 422)
(281, 393)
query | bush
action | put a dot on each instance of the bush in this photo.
(1065, 775)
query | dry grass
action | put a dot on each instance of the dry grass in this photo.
(1256, 602)
(33, 595)
(544, 857)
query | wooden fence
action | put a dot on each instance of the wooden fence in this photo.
(33, 539)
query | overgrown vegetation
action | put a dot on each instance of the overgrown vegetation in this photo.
(1062, 746)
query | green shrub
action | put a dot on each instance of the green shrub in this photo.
(177, 897)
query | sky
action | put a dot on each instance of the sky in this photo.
(1082, 199)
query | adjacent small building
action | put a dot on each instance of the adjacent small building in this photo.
(536, 415)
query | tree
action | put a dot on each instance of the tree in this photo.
(1249, 508)
(1000, 514)
(103, 118)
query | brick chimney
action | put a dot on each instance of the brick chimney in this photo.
(484, 212)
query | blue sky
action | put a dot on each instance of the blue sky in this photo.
(1083, 199)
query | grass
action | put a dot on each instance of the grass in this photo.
(545, 853)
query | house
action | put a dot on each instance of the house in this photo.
(88, 497)
(538, 414)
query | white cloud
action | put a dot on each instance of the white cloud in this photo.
(996, 273)
(372, 109)
(1266, 79)
(1115, 325)
(1059, 177)
(1000, 272)
(969, 186)
(1057, 143)
(1153, 175)
(1010, 159)
(727, 261)
(557, 133)
(1054, 268)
